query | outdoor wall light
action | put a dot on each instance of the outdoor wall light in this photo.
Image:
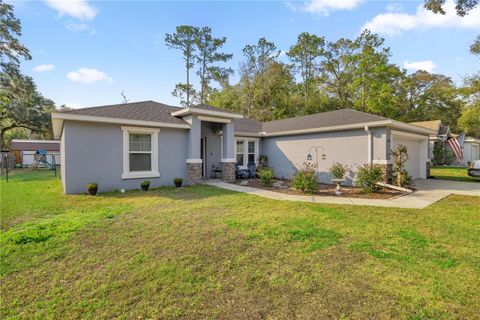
(323, 156)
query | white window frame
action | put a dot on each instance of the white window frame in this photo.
(245, 150)
(154, 173)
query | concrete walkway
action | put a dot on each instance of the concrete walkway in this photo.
(428, 192)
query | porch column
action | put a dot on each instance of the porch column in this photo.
(388, 167)
(228, 156)
(194, 162)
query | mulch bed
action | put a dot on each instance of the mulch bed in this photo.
(323, 190)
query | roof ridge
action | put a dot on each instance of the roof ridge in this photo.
(326, 112)
(116, 105)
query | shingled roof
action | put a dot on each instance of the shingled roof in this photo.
(319, 120)
(432, 124)
(143, 110)
(248, 125)
(34, 145)
(152, 111)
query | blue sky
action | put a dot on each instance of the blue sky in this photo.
(86, 52)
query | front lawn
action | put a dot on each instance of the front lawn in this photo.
(452, 173)
(202, 252)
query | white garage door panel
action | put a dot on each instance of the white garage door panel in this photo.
(414, 150)
(475, 153)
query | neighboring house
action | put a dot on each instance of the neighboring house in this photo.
(118, 146)
(471, 149)
(441, 133)
(25, 150)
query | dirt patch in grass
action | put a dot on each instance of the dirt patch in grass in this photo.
(323, 190)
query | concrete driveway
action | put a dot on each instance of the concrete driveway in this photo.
(428, 192)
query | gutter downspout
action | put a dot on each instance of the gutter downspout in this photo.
(369, 145)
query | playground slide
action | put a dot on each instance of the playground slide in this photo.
(47, 164)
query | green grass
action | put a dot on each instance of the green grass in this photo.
(452, 173)
(202, 252)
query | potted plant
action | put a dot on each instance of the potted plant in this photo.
(178, 182)
(145, 185)
(92, 188)
(338, 171)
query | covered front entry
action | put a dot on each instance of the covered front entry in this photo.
(211, 143)
(417, 149)
(211, 147)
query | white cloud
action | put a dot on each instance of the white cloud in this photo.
(86, 75)
(394, 7)
(80, 9)
(324, 7)
(43, 68)
(426, 65)
(395, 23)
(72, 26)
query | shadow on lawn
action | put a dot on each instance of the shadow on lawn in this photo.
(187, 193)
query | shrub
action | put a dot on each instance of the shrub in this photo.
(442, 155)
(305, 179)
(338, 170)
(178, 182)
(92, 188)
(368, 176)
(145, 185)
(266, 176)
(18, 165)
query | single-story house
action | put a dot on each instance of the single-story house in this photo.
(118, 146)
(25, 150)
(440, 133)
(471, 147)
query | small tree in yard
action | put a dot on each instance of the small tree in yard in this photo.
(400, 174)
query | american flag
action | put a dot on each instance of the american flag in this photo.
(457, 145)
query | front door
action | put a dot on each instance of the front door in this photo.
(203, 145)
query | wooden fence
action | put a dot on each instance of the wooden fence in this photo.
(7, 160)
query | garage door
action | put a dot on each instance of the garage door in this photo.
(475, 152)
(413, 165)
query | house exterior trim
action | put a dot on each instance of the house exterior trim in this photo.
(373, 124)
(190, 110)
(194, 161)
(408, 135)
(214, 119)
(127, 174)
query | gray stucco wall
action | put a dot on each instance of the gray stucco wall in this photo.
(93, 153)
(286, 154)
(381, 143)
